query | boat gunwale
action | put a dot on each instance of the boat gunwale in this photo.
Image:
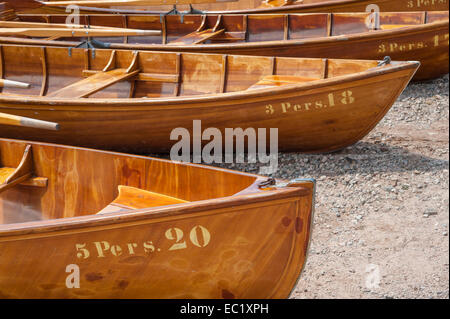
(142, 216)
(394, 66)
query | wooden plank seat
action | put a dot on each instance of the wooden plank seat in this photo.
(145, 77)
(148, 77)
(93, 84)
(197, 37)
(22, 174)
(280, 80)
(99, 80)
(229, 37)
(131, 198)
(201, 34)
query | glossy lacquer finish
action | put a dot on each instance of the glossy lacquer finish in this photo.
(258, 6)
(405, 36)
(225, 238)
(133, 100)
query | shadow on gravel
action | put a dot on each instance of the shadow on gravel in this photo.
(361, 158)
(427, 89)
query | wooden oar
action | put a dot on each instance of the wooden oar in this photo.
(24, 24)
(16, 120)
(108, 3)
(75, 32)
(13, 84)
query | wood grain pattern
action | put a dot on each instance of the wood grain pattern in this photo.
(205, 245)
(318, 115)
(404, 36)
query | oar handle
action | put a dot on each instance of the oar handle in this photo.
(16, 120)
(28, 122)
(13, 84)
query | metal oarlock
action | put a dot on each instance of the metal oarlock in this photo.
(386, 61)
(91, 44)
(175, 11)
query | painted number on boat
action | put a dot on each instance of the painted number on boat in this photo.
(425, 3)
(176, 234)
(438, 40)
(199, 236)
(333, 99)
(392, 47)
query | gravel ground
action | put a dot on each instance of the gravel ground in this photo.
(382, 206)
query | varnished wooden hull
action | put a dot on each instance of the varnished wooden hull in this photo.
(252, 6)
(242, 246)
(427, 43)
(311, 117)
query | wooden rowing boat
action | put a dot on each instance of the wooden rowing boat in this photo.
(421, 36)
(113, 99)
(138, 227)
(247, 6)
